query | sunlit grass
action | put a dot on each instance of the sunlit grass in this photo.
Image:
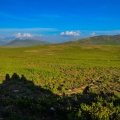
(52, 65)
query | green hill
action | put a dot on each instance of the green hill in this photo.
(27, 42)
(98, 40)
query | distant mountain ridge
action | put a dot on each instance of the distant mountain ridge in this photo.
(97, 40)
(26, 42)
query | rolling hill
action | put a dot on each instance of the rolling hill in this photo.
(97, 40)
(26, 42)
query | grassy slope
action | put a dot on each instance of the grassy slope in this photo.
(55, 65)
(98, 40)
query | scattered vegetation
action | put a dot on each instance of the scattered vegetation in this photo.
(64, 68)
(21, 99)
(60, 82)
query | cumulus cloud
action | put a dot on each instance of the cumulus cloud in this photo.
(70, 33)
(19, 35)
(27, 35)
(93, 34)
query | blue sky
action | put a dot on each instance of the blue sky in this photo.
(59, 20)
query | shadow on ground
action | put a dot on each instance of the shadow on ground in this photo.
(20, 99)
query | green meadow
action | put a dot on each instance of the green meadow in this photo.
(62, 67)
(60, 82)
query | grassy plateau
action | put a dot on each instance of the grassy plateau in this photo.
(68, 70)
(54, 65)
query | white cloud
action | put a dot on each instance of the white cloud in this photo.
(93, 34)
(18, 35)
(28, 35)
(70, 33)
